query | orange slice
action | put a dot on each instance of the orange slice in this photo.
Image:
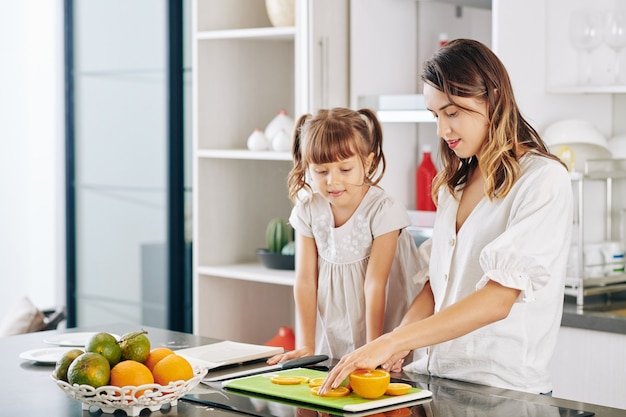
(335, 392)
(397, 388)
(288, 380)
(316, 382)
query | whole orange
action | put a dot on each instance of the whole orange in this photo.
(156, 355)
(172, 368)
(131, 373)
(369, 383)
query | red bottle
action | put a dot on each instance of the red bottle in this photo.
(426, 172)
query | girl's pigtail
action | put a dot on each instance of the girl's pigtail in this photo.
(297, 177)
(377, 168)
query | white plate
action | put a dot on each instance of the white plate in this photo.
(72, 339)
(47, 355)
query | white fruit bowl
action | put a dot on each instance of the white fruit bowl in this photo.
(574, 131)
(110, 399)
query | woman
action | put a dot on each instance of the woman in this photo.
(492, 300)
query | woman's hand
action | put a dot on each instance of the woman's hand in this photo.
(292, 354)
(374, 354)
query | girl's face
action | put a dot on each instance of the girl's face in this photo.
(464, 131)
(342, 183)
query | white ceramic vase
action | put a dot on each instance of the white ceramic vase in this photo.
(280, 12)
(281, 121)
(281, 142)
(257, 141)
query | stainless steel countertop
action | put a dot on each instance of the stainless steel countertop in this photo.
(596, 315)
(28, 389)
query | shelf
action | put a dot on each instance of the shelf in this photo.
(600, 282)
(250, 272)
(269, 33)
(587, 89)
(587, 291)
(606, 168)
(601, 169)
(243, 154)
(581, 287)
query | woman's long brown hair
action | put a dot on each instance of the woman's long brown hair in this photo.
(467, 68)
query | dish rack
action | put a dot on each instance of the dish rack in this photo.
(583, 283)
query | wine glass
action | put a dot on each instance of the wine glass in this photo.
(615, 37)
(586, 36)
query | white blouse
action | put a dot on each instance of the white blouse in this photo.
(521, 242)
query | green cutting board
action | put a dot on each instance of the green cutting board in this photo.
(261, 384)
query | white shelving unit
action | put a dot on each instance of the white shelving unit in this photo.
(244, 71)
(583, 285)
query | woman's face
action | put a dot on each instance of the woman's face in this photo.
(464, 131)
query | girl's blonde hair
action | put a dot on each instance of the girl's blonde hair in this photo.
(467, 68)
(333, 135)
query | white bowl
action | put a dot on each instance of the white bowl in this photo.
(110, 399)
(574, 155)
(617, 145)
(573, 131)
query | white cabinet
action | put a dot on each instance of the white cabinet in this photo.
(590, 366)
(568, 67)
(244, 71)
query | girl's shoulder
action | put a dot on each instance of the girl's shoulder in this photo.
(377, 200)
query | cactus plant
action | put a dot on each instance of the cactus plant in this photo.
(277, 235)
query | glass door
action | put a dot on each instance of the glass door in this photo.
(127, 198)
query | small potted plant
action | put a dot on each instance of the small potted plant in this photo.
(280, 251)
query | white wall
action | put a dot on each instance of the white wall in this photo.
(31, 152)
(389, 42)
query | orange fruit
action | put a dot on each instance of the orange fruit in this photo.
(156, 355)
(89, 368)
(397, 388)
(288, 379)
(106, 345)
(63, 364)
(316, 382)
(369, 383)
(131, 373)
(135, 346)
(172, 368)
(334, 392)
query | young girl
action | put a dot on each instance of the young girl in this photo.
(353, 253)
(491, 305)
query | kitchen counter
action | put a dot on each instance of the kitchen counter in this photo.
(28, 389)
(596, 315)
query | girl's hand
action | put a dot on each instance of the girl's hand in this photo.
(396, 362)
(298, 353)
(371, 356)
